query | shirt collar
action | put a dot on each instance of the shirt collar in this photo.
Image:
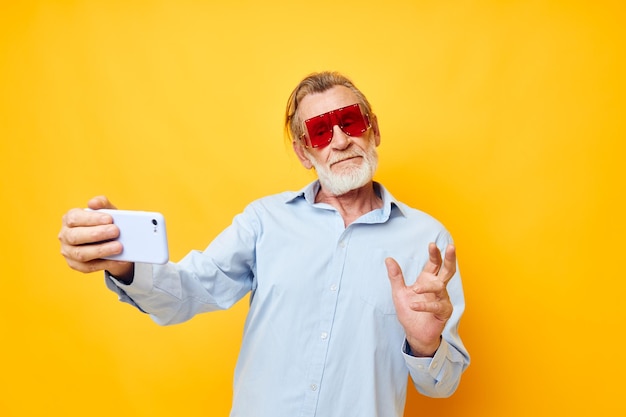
(389, 201)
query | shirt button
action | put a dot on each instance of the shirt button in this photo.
(333, 287)
(324, 335)
(342, 244)
(313, 387)
(435, 364)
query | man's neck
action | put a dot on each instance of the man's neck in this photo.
(352, 204)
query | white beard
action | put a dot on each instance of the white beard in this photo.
(349, 178)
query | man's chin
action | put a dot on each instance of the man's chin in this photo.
(340, 187)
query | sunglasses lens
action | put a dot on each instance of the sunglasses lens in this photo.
(319, 130)
(350, 120)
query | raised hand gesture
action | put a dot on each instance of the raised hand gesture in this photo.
(424, 307)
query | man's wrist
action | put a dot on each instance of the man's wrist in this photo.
(422, 352)
(124, 275)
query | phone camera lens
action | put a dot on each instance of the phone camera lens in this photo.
(154, 222)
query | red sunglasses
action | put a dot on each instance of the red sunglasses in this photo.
(319, 129)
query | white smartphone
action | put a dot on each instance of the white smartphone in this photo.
(142, 235)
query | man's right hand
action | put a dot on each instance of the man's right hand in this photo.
(87, 236)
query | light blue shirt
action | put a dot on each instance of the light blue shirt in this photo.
(321, 337)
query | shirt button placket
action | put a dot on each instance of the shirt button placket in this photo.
(328, 308)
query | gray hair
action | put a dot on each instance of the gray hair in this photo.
(315, 83)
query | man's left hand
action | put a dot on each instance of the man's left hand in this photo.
(424, 307)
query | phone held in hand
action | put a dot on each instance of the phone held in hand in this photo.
(142, 235)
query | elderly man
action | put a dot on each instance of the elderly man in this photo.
(349, 291)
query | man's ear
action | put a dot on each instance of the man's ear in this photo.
(375, 129)
(299, 150)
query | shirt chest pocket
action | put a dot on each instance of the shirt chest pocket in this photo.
(375, 289)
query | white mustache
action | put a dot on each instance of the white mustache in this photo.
(343, 156)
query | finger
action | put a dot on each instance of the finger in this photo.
(86, 267)
(449, 264)
(100, 202)
(94, 265)
(78, 236)
(434, 286)
(441, 310)
(88, 253)
(80, 218)
(395, 275)
(434, 259)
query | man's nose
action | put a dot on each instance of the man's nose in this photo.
(340, 139)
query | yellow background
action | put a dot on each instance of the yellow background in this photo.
(504, 119)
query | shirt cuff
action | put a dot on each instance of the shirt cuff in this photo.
(427, 365)
(142, 279)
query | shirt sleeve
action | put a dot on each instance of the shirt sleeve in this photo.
(440, 375)
(213, 279)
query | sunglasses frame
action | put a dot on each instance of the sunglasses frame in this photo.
(334, 121)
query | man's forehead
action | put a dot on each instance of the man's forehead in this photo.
(315, 104)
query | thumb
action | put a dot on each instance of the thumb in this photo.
(395, 274)
(100, 202)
